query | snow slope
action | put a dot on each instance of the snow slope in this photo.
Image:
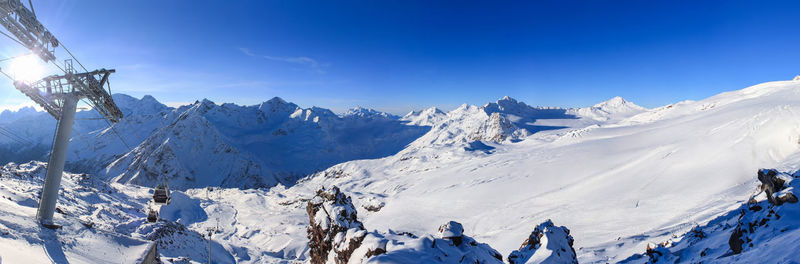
(92, 214)
(765, 229)
(640, 180)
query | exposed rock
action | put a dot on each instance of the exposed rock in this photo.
(334, 231)
(345, 244)
(749, 223)
(775, 185)
(657, 253)
(337, 237)
(373, 208)
(764, 223)
(555, 239)
(779, 190)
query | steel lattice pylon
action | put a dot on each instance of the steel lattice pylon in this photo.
(22, 23)
(57, 94)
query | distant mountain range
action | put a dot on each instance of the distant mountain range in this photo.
(228, 145)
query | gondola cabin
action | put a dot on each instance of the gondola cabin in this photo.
(161, 194)
(152, 215)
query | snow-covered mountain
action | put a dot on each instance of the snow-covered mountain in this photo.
(360, 112)
(619, 178)
(508, 120)
(257, 146)
(93, 145)
(616, 186)
(205, 144)
(615, 109)
(8, 116)
(427, 117)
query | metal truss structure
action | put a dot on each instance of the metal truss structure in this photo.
(49, 92)
(57, 94)
(22, 23)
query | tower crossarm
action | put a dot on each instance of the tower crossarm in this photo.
(92, 89)
(49, 92)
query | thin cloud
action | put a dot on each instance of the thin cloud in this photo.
(247, 52)
(300, 60)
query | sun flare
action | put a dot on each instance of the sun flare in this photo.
(26, 69)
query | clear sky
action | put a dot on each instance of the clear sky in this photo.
(402, 55)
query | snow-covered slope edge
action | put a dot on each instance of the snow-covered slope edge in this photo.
(764, 229)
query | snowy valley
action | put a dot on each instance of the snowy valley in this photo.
(613, 182)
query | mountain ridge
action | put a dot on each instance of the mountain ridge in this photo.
(150, 129)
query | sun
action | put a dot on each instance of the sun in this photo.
(27, 69)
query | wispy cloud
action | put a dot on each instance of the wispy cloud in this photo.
(247, 52)
(313, 64)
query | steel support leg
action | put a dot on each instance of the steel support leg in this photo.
(58, 156)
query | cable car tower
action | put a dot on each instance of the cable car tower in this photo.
(57, 94)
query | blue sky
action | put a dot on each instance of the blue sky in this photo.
(402, 55)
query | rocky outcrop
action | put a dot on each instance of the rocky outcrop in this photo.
(334, 231)
(779, 191)
(763, 224)
(776, 186)
(555, 239)
(335, 234)
(337, 237)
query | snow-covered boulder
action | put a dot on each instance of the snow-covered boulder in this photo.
(547, 243)
(776, 186)
(451, 230)
(450, 246)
